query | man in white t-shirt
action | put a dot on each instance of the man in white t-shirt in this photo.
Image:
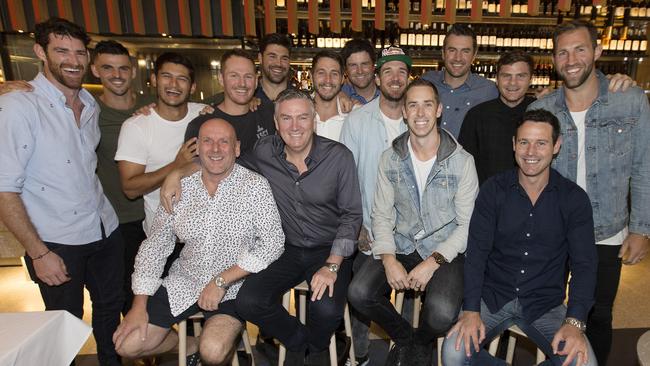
(327, 73)
(151, 146)
(426, 186)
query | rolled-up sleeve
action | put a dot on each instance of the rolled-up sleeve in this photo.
(349, 204)
(17, 141)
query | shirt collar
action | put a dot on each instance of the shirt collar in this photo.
(470, 82)
(513, 179)
(53, 93)
(349, 89)
(314, 154)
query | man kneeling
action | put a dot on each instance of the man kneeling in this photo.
(231, 227)
(529, 228)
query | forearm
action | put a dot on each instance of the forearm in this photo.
(233, 274)
(140, 302)
(14, 215)
(141, 184)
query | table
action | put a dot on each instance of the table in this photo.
(41, 338)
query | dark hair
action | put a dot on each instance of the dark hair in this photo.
(358, 45)
(542, 116)
(464, 31)
(291, 94)
(327, 54)
(275, 38)
(425, 83)
(236, 52)
(573, 25)
(111, 48)
(60, 27)
(174, 58)
(510, 58)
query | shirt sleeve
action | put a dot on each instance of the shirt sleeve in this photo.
(152, 255)
(640, 179)
(383, 211)
(467, 137)
(131, 144)
(479, 245)
(268, 243)
(583, 257)
(17, 141)
(464, 198)
(349, 203)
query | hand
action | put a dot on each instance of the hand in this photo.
(170, 191)
(540, 93)
(186, 153)
(321, 281)
(365, 242)
(254, 103)
(211, 297)
(145, 110)
(135, 320)
(470, 329)
(575, 345)
(420, 276)
(635, 247)
(620, 82)
(207, 110)
(15, 85)
(395, 273)
(51, 269)
(346, 102)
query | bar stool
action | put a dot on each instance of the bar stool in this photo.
(303, 289)
(182, 340)
(417, 306)
(512, 342)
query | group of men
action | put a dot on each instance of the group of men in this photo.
(369, 185)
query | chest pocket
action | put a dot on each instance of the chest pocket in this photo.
(616, 135)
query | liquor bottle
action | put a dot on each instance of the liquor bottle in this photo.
(507, 39)
(280, 3)
(607, 32)
(434, 36)
(524, 7)
(415, 6)
(492, 40)
(320, 39)
(411, 35)
(499, 40)
(329, 41)
(419, 36)
(492, 7)
(426, 37)
(516, 7)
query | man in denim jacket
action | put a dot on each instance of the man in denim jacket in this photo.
(605, 151)
(423, 202)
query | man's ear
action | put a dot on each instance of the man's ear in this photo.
(40, 52)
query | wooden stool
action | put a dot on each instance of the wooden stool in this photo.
(182, 340)
(303, 289)
(512, 342)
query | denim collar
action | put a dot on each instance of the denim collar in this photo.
(603, 90)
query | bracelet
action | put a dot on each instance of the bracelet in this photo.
(42, 255)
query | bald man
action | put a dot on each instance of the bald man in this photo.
(230, 224)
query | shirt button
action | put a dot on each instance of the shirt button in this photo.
(467, 103)
(444, 123)
(531, 215)
(75, 212)
(447, 107)
(68, 161)
(528, 235)
(522, 271)
(297, 183)
(619, 130)
(451, 91)
(517, 289)
(525, 253)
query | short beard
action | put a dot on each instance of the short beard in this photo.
(581, 80)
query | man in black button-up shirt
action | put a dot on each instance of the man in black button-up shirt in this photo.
(529, 229)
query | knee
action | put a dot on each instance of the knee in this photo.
(451, 357)
(326, 312)
(359, 294)
(249, 305)
(214, 352)
(132, 347)
(440, 316)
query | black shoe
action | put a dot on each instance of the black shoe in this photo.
(421, 354)
(321, 358)
(399, 356)
(295, 358)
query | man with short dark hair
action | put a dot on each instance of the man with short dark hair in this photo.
(151, 146)
(459, 88)
(359, 58)
(327, 76)
(50, 196)
(230, 225)
(529, 227)
(426, 187)
(274, 58)
(605, 151)
(488, 128)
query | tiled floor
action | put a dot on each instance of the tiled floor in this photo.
(18, 293)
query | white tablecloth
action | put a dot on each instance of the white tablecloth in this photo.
(41, 338)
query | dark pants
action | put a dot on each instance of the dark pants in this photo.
(100, 267)
(132, 235)
(599, 323)
(442, 299)
(259, 299)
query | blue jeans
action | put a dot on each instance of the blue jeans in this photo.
(541, 332)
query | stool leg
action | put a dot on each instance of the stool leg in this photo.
(512, 342)
(399, 302)
(247, 345)
(282, 353)
(182, 343)
(440, 340)
(333, 356)
(235, 360)
(348, 330)
(302, 298)
(541, 357)
(494, 345)
(417, 306)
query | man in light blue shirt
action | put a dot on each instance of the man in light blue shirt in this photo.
(460, 89)
(50, 196)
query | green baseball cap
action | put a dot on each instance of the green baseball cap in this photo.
(393, 54)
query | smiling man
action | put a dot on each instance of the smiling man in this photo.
(487, 130)
(425, 193)
(327, 71)
(151, 146)
(359, 57)
(50, 196)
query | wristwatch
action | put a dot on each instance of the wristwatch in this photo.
(332, 267)
(220, 282)
(582, 326)
(439, 258)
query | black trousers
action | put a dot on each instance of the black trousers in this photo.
(259, 300)
(133, 235)
(99, 266)
(441, 304)
(599, 323)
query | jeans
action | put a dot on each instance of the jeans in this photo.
(442, 299)
(259, 299)
(541, 332)
(100, 267)
(599, 323)
(132, 235)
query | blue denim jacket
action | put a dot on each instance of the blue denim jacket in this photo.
(617, 136)
(443, 214)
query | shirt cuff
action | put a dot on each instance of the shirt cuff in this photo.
(143, 286)
(250, 263)
(472, 305)
(343, 247)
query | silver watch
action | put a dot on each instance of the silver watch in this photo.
(332, 267)
(582, 326)
(221, 282)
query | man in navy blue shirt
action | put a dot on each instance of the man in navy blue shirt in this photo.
(529, 229)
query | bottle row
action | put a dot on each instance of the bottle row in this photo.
(637, 8)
